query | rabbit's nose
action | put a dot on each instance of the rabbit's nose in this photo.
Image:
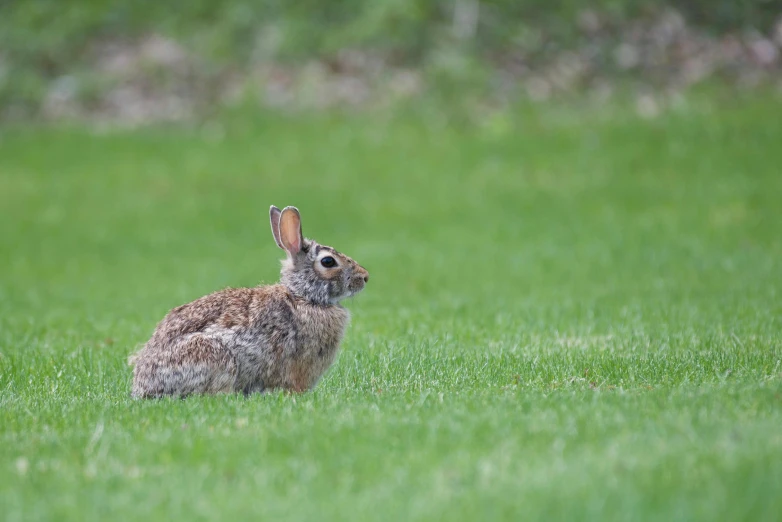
(362, 272)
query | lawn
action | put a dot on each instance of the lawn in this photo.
(573, 313)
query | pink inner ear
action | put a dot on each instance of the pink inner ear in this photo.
(290, 231)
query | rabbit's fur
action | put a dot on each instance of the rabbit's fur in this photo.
(283, 336)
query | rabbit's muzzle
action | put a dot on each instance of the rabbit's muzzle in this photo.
(359, 279)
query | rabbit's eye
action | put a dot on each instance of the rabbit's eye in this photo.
(328, 262)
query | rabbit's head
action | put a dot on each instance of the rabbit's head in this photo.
(311, 271)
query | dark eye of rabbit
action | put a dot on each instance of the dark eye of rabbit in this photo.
(328, 262)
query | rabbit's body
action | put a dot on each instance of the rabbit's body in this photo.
(254, 339)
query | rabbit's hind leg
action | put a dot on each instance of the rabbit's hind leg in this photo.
(197, 364)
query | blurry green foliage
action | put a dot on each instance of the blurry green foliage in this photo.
(51, 32)
(43, 39)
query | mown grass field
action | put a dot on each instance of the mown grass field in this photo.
(573, 313)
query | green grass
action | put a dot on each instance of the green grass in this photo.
(573, 313)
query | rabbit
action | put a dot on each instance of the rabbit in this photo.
(251, 340)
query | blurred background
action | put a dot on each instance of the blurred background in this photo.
(622, 149)
(135, 62)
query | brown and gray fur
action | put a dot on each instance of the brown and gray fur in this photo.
(283, 336)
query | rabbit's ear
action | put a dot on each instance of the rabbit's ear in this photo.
(274, 217)
(290, 230)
